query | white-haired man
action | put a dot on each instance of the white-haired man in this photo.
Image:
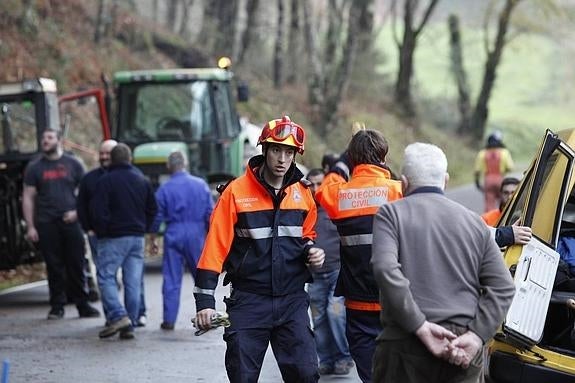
(443, 284)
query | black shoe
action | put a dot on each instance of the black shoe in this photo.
(56, 312)
(127, 333)
(87, 311)
(93, 295)
(167, 326)
(113, 328)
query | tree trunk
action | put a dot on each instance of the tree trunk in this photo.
(250, 30)
(365, 27)
(99, 30)
(226, 31)
(481, 112)
(29, 18)
(315, 94)
(339, 82)
(333, 39)
(294, 47)
(209, 25)
(171, 14)
(155, 11)
(186, 5)
(460, 75)
(278, 51)
(407, 47)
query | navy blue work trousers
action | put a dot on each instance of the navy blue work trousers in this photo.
(260, 320)
(362, 329)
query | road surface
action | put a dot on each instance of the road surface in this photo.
(69, 350)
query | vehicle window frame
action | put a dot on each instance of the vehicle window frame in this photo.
(527, 197)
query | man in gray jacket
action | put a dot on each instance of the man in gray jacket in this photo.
(443, 285)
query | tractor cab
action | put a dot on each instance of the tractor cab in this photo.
(191, 110)
(536, 342)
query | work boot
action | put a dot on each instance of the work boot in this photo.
(113, 327)
(56, 312)
(325, 369)
(87, 311)
(167, 326)
(343, 367)
(127, 333)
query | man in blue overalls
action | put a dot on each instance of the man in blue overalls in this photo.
(185, 205)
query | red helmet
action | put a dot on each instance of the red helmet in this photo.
(283, 131)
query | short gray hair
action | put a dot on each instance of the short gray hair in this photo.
(177, 161)
(121, 154)
(424, 165)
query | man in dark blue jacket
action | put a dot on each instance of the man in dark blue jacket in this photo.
(122, 211)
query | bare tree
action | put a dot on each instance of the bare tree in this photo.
(326, 88)
(340, 79)
(209, 24)
(406, 48)
(29, 17)
(481, 111)
(155, 11)
(226, 31)
(99, 30)
(250, 30)
(458, 71)
(278, 50)
(315, 72)
(365, 27)
(186, 6)
(294, 41)
(171, 14)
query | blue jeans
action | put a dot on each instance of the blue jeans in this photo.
(93, 242)
(328, 313)
(127, 253)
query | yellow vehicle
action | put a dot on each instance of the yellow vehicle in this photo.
(536, 343)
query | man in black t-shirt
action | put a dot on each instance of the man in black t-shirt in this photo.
(49, 206)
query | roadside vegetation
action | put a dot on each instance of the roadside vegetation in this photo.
(76, 41)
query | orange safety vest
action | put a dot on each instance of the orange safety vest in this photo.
(351, 206)
(491, 217)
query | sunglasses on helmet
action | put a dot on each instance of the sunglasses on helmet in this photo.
(281, 132)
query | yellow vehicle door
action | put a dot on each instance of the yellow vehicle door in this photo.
(538, 203)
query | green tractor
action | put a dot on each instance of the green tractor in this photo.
(191, 110)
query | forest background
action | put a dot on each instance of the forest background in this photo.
(448, 72)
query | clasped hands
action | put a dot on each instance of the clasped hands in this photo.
(444, 344)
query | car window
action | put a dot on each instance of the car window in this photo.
(546, 216)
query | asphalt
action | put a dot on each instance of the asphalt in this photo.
(69, 350)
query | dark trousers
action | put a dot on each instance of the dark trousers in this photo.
(260, 320)
(409, 361)
(362, 329)
(62, 246)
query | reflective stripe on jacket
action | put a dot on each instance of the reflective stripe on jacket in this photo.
(351, 206)
(258, 238)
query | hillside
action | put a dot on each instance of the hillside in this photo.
(59, 44)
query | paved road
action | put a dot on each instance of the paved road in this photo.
(69, 351)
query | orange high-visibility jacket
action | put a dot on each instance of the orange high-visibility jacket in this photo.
(491, 217)
(351, 206)
(259, 238)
